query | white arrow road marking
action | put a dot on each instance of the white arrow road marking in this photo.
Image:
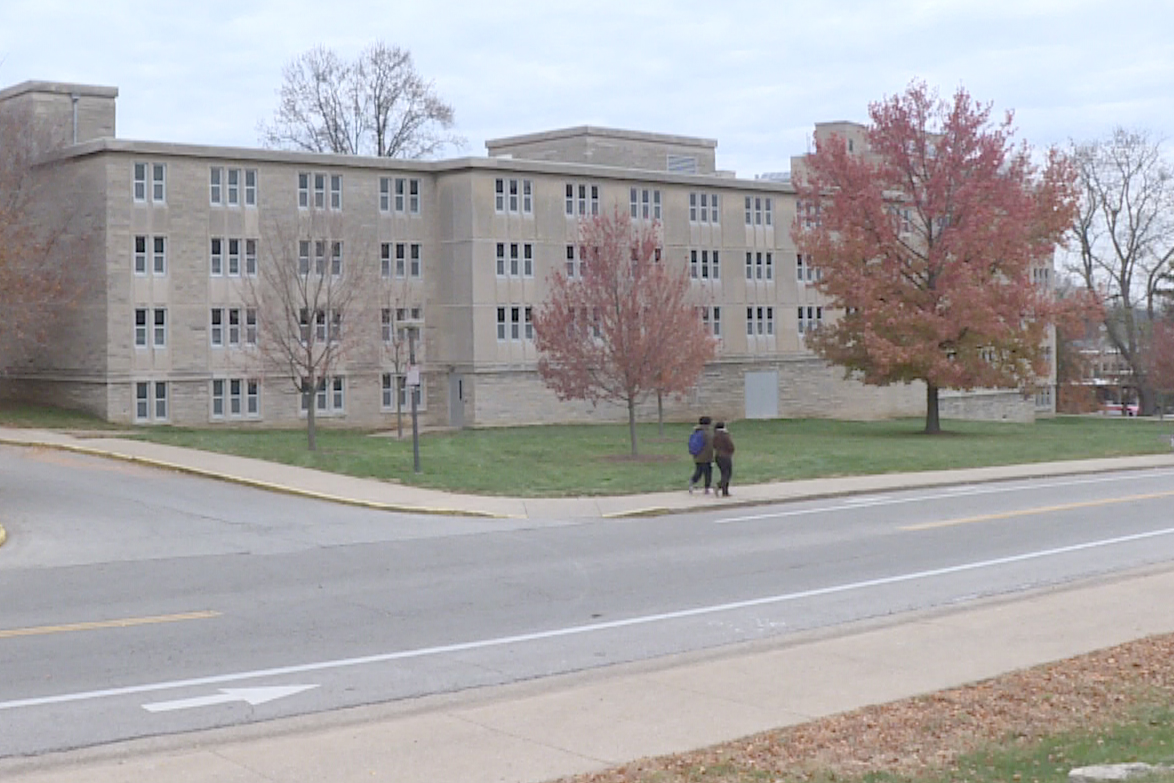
(253, 696)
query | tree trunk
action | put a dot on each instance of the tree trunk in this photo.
(933, 424)
(632, 423)
(659, 414)
(311, 404)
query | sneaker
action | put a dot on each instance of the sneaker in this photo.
(690, 488)
(707, 490)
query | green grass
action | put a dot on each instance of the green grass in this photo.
(570, 460)
(1147, 737)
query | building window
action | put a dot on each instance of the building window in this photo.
(158, 183)
(303, 257)
(385, 194)
(216, 333)
(712, 318)
(234, 257)
(217, 257)
(336, 191)
(158, 192)
(160, 330)
(251, 257)
(805, 272)
(336, 259)
(140, 327)
(320, 191)
(809, 318)
(759, 265)
(759, 211)
(236, 398)
(408, 259)
(574, 260)
(146, 393)
(142, 401)
(760, 321)
(396, 387)
(329, 397)
(520, 259)
(250, 187)
(215, 185)
(582, 199)
(320, 256)
(514, 196)
(234, 187)
(644, 204)
(250, 326)
(140, 182)
(705, 264)
(158, 255)
(515, 323)
(303, 190)
(703, 208)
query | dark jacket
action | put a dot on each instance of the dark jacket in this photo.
(706, 453)
(723, 444)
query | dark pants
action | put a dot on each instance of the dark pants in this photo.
(703, 469)
(726, 466)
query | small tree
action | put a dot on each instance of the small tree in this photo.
(311, 296)
(377, 105)
(625, 327)
(926, 242)
(400, 316)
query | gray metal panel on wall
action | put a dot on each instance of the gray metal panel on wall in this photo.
(762, 395)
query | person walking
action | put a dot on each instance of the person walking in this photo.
(701, 447)
(723, 449)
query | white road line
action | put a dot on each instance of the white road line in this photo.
(574, 630)
(868, 501)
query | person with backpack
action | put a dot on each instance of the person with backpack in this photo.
(701, 448)
(723, 449)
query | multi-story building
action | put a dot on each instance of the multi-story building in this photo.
(173, 237)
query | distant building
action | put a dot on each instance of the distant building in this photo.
(174, 230)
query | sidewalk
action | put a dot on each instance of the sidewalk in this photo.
(398, 497)
(566, 725)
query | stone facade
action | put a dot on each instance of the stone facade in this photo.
(174, 242)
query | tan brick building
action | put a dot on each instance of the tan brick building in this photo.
(459, 249)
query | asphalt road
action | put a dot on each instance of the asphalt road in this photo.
(136, 602)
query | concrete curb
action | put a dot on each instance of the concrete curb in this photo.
(256, 483)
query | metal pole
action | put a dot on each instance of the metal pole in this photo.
(413, 391)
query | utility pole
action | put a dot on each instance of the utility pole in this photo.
(413, 385)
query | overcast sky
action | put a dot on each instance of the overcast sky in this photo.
(754, 75)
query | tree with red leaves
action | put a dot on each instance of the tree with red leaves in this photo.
(927, 239)
(1160, 359)
(625, 326)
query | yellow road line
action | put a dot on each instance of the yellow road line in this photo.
(1027, 512)
(123, 623)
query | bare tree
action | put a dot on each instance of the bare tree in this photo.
(377, 105)
(401, 316)
(311, 298)
(1125, 236)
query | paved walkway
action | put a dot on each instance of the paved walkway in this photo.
(578, 723)
(398, 497)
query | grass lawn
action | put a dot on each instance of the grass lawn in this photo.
(569, 460)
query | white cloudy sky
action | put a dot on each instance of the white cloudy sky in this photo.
(752, 74)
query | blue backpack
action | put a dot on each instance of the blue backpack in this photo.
(696, 442)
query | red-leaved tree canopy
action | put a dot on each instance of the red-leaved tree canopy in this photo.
(926, 240)
(624, 324)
